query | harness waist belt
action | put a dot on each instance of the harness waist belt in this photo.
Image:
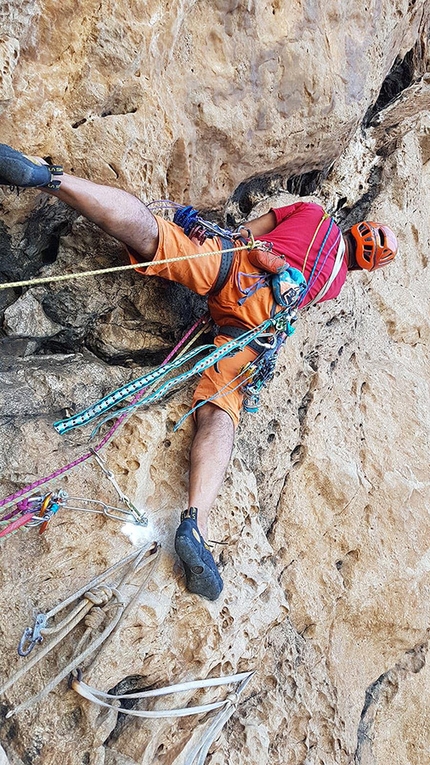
(257, 345)
(225, 266)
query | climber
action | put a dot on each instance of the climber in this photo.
(301, 233)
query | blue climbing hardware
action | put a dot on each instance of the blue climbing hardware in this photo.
(262, 371)
(195, 227)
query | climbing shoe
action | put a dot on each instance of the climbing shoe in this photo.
(27, 172)
(201, 572)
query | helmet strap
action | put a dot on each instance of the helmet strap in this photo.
(350, 252)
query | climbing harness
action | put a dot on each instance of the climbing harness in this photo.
(91, 603)
(255, 375)
(198, 753)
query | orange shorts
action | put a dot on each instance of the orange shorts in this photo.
(198, 274)
(218, 385)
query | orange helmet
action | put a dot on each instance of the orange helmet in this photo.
(376, 244)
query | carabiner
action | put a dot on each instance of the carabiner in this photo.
(30, 637)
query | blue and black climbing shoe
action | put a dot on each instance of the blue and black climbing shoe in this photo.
(201, 572)
(27, 172)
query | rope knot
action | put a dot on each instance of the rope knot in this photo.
(232, 698)
(99, 595)
(95, 618)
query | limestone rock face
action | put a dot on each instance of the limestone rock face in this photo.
(234, 107)
(135, 93)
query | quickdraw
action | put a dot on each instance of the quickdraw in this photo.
(91, 603)
(195, 227)
(33, 511)
(37, 511)
(260, 374)
(137, 516)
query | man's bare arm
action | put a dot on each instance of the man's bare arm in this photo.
(262, 225)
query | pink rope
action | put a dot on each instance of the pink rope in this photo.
(16, 524)
(21, 507)
(62, 471)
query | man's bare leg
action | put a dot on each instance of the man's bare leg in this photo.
(210, 455)
(116, 212)
(127, 219)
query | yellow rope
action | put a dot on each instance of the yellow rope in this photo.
(324, 217)
(114, 269)
(198, 334)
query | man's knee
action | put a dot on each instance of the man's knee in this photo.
(209, 415)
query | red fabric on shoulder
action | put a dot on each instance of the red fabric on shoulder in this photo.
(282, 213)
